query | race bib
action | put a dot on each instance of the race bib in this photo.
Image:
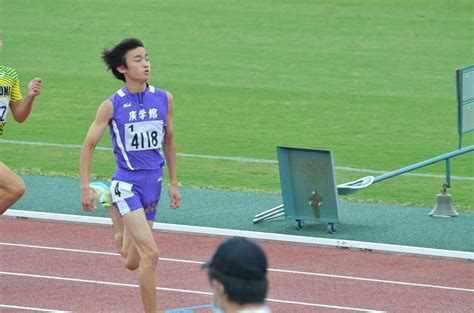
(3, 109)
(120, 190)
(3, 113)
(145, 135)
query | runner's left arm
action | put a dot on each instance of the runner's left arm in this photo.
(21, 109)
(169, 149)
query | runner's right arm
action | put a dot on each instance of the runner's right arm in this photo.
(96, 130)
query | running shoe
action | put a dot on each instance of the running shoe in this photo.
(102, 193)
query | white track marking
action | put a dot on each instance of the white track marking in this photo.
(373, 280)
(26, 308)
(98, 282)
(236, 159)
(285, 271)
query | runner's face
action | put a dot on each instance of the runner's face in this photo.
(138, 65)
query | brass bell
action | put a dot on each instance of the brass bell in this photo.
(443, 207)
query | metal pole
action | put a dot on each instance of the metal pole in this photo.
(448, 173)
(424, 163)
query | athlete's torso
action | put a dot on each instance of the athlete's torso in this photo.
(138, 127)
(9, 92)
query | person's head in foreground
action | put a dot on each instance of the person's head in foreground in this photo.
(238, 276)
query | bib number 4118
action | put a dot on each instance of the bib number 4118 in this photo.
(143, 135)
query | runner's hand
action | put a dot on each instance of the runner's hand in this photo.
(88, 199)
(175, 198)
(35, 87)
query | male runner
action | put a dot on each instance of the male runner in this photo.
(12, 187)
(140, 119)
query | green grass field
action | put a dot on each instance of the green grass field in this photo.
(372, 81)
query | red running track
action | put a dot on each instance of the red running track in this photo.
(73, 267)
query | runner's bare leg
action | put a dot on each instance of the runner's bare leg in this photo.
(12, 188)
(138, 229)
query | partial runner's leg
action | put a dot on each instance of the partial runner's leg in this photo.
(139, 231)
(102, 193)
(123, 241)
(12, 188)
(118, 228)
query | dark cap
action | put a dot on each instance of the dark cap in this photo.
(239, 258)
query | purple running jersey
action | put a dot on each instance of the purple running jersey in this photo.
(138, 128)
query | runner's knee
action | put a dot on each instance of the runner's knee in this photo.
(130, 257)
(18, 190)
(150, 257)
(131, 260)
(132, 264)
(118, 238)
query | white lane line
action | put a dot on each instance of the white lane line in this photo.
(89, 252)
(373, 280)
(99, 282)
(26, 308)
(237, 159)
(188, 291)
